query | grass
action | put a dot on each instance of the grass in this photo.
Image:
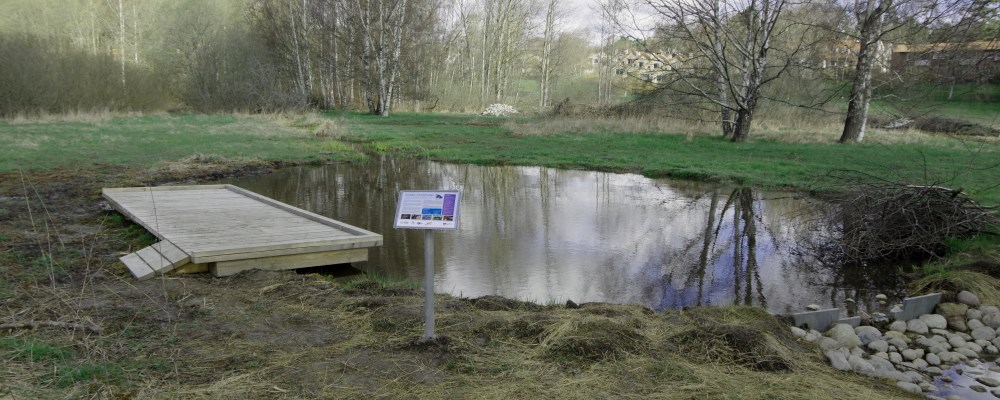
(146, 140)
(31, 350)
(774, 159)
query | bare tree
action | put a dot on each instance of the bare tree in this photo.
(552, 17)
(730, 61)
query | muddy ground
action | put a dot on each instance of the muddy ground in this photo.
(286, 335)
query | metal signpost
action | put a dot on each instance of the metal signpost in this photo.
(429, 210)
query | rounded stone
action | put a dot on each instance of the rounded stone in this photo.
(926, 342)
(879, 346)
(838, 360)
(911, 387)
(826, 343)
(897, 326)
(952, 309)
(991, 320)
(991, 349)
(933, 359)
(867, 334)
(956, 341)
(920, 363)
(895, 357)
(912, 354)
(934, 321)
(936, 349)
(844, 335)
(989, 310)
(973, 314)
(968, 298)
(974, 347)
(977, 388)
(968, 353)
(799, 332)
(861, 366)
(957, 323)
(974, 324)
(813, 307)
(917, 326)
(985, 380)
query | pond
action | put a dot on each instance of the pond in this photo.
(550, 235)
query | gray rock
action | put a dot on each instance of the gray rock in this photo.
(964, 335)
(838, 360)
(936, 349)
(861, 366)
(897, 326)
(920, 364)
(917, 326)
(799, 333)
(910, 387)
(881, 297)
(957, 323)
(927, 387)
(968, 298)
(975, 324)
(974, 347)
(898, 343)
(934, 321)
(813, 307)
(883, 355)
(881, 364)
(956, 341)
(895, 357)
(912, 354)
(994, 368)
(982, 343)
(826, 343)
(989, 310)
(991, 320)
(942, 332)
(995, 393)
(914, 376)
(867, 334)
(933, 359)
(988, 381)
(844, 335)
(939, 338)
(948, 357)
(966, 352)
(991, 349)
(856, 351)
(813, 336)
(952, 309)
(933, 371)
(973, 314)
(879, 346)
(977, 388)
(926, 342)
(996, 341)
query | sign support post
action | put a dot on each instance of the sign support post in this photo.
(429, 285)
(428, 210)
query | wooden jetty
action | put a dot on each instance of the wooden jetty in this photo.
(224, 229)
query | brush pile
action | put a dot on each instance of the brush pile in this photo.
(884, 221)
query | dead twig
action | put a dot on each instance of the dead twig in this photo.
(50, 324)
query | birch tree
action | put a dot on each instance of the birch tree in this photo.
(731, 53)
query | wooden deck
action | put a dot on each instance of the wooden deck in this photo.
(225, 229)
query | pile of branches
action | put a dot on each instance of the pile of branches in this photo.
(871, 221)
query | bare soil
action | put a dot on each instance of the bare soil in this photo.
(264, 335)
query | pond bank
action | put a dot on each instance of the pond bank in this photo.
(271, 335)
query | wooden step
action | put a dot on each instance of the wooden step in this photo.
(160, 258)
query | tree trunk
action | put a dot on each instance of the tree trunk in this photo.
(861, 87)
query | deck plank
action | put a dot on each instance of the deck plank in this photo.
(224, 223)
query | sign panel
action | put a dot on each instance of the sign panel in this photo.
(428, 209)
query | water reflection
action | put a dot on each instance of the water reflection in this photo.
(549, 235)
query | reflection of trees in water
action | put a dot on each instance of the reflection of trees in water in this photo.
(729, 241)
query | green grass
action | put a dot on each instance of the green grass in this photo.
(31, 350)
(976, 103)
(145, 140)
(773, 162)
(770, 163)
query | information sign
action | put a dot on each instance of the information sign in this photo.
(427, 209)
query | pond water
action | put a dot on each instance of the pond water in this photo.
(549, 235)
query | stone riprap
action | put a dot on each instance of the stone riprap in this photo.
(914, 351)
(499, 110)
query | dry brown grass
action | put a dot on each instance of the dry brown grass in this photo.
(792, 130)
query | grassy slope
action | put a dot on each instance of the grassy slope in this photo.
(479, 140)
(142, 141)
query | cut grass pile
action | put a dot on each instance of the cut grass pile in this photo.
(280, 335)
